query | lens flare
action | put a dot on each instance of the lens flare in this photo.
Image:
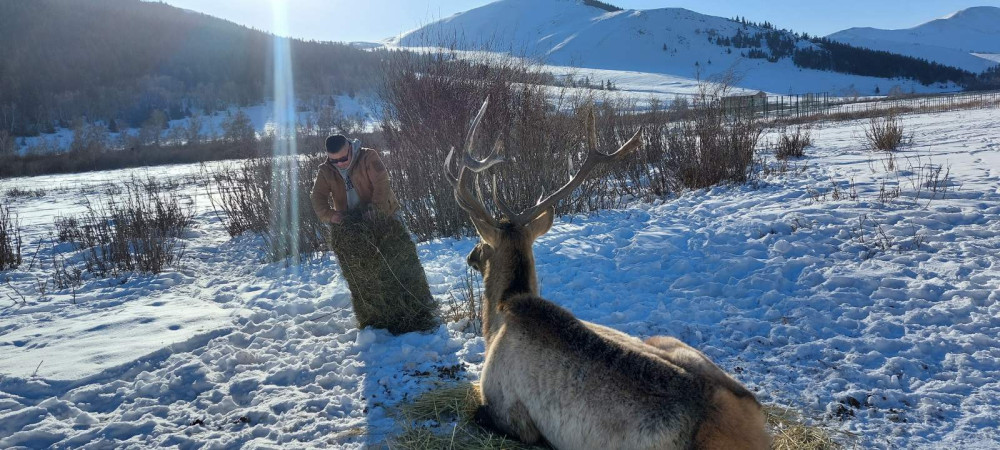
(284, 172)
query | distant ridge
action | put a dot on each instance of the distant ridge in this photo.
(954, 39)
(679, 42)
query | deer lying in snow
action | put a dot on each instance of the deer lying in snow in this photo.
(550, 377)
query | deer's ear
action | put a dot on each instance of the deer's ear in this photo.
(489, 233)
(541, 224)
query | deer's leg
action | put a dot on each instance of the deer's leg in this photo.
(514, 422)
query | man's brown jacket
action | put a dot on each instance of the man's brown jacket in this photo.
(370, 179)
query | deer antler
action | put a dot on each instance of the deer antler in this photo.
(594, 158)
(472, 204)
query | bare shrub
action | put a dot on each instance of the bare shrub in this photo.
(792, 144)
(875, 238)
(241, 191)
(428, 101)
(65, 276)
(89, 138)
(66, 227)
(270, 196)
(16, 192)
(885, 132)
(716, 146)
(10, 239)
(8, 145)
(136, 231)
(467, 303)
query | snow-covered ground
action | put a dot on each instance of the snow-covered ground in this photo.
(783, 284)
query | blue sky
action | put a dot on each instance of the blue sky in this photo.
(372, 20)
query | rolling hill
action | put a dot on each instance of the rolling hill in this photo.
(103, 60)
(678, 42)
(969, 39)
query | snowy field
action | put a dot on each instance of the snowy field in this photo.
(878, 318)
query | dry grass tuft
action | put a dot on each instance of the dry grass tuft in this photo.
(468, 303)
(885, 133)
(792, 144)
(16, 192)
(10, 239)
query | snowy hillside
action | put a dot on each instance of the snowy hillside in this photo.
(953, 40)
(879, 318)
(669, 41)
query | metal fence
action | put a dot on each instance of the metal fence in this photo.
(823, 104)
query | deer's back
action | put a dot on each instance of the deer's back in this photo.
(587, 386)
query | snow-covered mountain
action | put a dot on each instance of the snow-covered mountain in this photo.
(969, 39)
(670, 41)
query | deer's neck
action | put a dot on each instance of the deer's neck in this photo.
(516, 277)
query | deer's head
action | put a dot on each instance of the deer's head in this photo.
(503, 254)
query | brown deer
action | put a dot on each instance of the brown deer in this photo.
(550, 377)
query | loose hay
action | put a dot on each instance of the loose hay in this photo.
(790, 433)
(456, 404)
(388, 286)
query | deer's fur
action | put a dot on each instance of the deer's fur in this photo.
(550, 377)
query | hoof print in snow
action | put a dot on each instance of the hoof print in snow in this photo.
(451, 371)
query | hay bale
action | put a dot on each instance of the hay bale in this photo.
(388, 286)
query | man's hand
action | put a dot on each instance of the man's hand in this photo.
(337, 217)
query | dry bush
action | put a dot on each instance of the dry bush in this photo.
(716, 146)
(242, 193)
(8, 145)
(270, 196)
(885, 132)
(467, 305)
(16, 192)
(136, 231)
(792, 144)
(428, 102)
(10, 239)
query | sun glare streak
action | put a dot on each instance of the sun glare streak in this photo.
(285, 168)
